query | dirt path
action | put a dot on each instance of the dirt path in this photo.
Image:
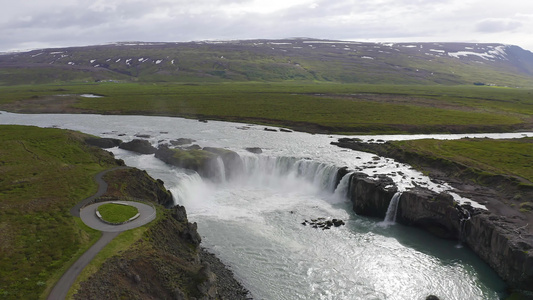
(109, 232)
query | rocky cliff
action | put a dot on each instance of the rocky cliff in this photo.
(506, 248)
(167, 262)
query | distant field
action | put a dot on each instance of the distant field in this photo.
(314, 107)
(505, 157)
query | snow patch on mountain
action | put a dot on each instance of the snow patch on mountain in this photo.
(491, 53)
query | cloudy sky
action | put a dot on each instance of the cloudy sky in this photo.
(30, 24)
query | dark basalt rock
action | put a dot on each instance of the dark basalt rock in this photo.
(434, 212)
(201, 161)
(255, 150)
(166, 264)
(323, 223)
(179, 213)
(181, 141)
(139, 146)
(507, 249)
(189, 232)
(193, 147)
(143, 136)
(270, 129)
(233, 163)
(103, 142)
(285, 130)
(135, 183)
(371, 197)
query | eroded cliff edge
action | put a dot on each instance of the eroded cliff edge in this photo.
(503, 241)
(167, 262)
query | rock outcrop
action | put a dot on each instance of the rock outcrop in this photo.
(496, 240)
(434, 212)
(233, 164)
(167, 263)
(201, 161)
(255, 150)
(105, 143)
(137, 184)
(507, 249)
(139, 146)
(371, 197)
(181, 141)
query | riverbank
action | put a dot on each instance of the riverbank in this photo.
(501, 235)
(45, 173)
(166, 261)
(315, 108)
(502, 187)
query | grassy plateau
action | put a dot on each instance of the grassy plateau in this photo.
(506, 157)
(43, 173)
(312, 107)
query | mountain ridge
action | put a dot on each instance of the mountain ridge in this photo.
(303, 59)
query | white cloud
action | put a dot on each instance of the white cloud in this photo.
(83, 22)
(497, 25)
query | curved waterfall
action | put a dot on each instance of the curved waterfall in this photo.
(268, 171)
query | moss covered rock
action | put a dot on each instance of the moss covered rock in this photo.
(201, 161)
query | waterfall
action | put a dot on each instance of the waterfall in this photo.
(343, 189)
(288, 173)
(187, 188)
(464, 218)
(221, 171)
(392, 211)
(267, 169)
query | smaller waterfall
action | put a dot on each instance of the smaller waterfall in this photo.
(343, 189)
(465, 216)
(392, 211)
(221, 170)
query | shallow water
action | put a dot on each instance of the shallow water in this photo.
(253, 222)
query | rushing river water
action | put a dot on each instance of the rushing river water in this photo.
(252, 221)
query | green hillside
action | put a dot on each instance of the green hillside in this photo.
(43, 173)
(274, 60)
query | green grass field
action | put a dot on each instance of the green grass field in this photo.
(315, 107)
(117, 213)
(43, 173)
(505, 157)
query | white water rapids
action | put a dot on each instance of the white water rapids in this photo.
(253, 221)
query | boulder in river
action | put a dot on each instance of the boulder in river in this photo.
(255, 150)
(200, 161)
(181, 141)
(103, 142)
(139, 146)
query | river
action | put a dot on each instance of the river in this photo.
(253, 221)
